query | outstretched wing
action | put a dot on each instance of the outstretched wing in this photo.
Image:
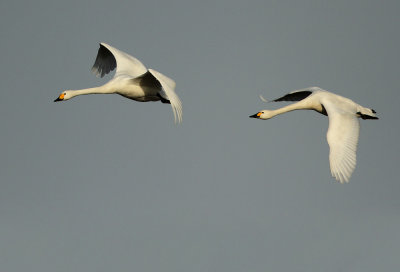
(168, 92)
(109, 57)
(294, 96)
(342, 138)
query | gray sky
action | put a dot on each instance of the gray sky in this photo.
(102, 183)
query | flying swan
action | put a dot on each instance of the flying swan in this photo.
(343, 128)
(131, 80)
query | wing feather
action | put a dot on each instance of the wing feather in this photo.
(297, 95)
(294, 96)
(108, 58)
(168, 92)
(342, 136)
(147, 80)
(104, 63)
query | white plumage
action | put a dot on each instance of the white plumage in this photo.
(131, 80)
(343, 128)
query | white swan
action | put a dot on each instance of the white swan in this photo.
(343, 128)
(131, 80)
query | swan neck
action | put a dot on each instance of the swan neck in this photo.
(95, 90)
(291, 107)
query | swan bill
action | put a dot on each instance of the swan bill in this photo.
(257, 115)
(60, 98)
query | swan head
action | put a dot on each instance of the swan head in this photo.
(264, 115)
(65, 95)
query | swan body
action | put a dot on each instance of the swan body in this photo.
(344, 127)
(131, 80)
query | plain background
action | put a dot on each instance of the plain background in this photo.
(102, 183)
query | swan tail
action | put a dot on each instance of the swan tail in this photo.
(163, 100)
(365, 113)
